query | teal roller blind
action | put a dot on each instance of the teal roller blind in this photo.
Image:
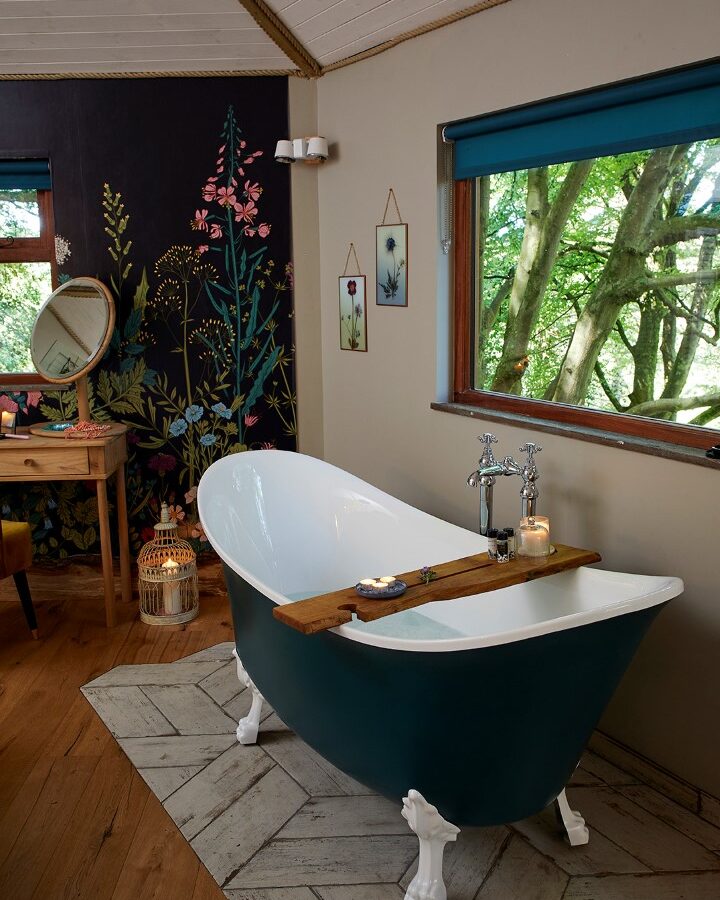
(25, 174)
(673, 108)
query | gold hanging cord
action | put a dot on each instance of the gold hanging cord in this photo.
(391, 193)
(347, 261)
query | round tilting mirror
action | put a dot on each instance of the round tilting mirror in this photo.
(71, 332)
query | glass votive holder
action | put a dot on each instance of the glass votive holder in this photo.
(533, 536)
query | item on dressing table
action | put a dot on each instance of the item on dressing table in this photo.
(534, 536)
(7, 422)
(16, 437)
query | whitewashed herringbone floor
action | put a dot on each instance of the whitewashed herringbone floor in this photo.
(277, 822)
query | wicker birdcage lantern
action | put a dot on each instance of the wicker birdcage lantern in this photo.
(167, 576)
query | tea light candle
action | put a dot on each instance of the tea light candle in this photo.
(8, 420)
(388, 579)
(534, 536)
(172, 602)
(368, 582)
(380, 586)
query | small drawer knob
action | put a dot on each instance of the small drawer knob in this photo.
(29, 462)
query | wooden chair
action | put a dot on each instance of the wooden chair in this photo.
(15, 559)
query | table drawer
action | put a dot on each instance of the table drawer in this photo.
(43, 462)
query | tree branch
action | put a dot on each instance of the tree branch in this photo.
(683, 228)
(658, 282)
(673, 404)
(609, 392)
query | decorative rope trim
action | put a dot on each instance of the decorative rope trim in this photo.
(277, 31)
(59, 76)
(415, 32)
(308, 67)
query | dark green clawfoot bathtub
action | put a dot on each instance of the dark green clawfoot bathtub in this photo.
(483, 704)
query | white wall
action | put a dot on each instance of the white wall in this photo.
(302, 102)
(644, 514)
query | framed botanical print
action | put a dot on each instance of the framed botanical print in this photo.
(391, 287)
(353, 312)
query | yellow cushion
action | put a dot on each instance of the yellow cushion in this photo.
(15, 548)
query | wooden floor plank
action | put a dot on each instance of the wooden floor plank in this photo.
(65, 786)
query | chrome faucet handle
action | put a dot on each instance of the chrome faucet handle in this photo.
(487, 459)
(510, 467)
(531, 449)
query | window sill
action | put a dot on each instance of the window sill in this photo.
(664, 450)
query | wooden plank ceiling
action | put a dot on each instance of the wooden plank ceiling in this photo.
(91, 37)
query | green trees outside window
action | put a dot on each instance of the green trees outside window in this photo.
(23, 285)
(596, 283)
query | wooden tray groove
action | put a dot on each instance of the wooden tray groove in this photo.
(457, 578)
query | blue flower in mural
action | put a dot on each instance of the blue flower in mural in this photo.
(6, 509)
(51, 504)
(178, 427)
(194, 413)
(221, 410)
(47, 524)
(207, 440)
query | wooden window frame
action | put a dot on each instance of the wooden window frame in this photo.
(27, 250)
(619, 424)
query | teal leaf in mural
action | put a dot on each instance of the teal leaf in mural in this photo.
(258, 387)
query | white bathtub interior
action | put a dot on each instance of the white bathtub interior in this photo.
(294, 527)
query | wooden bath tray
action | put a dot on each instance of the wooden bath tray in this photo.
(455, 579)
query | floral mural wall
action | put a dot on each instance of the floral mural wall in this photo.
(201, 362)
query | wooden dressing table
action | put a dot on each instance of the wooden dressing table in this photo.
(78, 459)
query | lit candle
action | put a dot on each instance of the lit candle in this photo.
(172, 602)
(380, 586)
(8, 420)
(534, 536)
(368, 582)
(388, 579)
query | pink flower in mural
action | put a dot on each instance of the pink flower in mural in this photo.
(226, 196)
(32, 398)
(221, 150)
(242, 145)
(253, 191)
(249, 232)
(252, 157)
(264, 230)
(7, 404)
(209, 192)
(198, 532)
(191, 495)
(215, 231)
(267, 445)
(245, 212)
(176, 513)
(199, 223)
(251, 420)
(203, 248)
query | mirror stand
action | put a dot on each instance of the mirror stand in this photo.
(83, 403)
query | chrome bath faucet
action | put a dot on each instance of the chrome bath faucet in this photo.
(488, 468)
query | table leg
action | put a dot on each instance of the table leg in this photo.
(124, 535)
(106, 551)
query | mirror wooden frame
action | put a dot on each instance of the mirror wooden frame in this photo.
(79, 377)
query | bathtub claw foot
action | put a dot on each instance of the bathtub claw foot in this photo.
(247, 730)
(433, 833)
(572, 821)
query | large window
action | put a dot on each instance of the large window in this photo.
(27, 263)
(588, 290)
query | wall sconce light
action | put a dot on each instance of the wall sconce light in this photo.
(313, 151)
